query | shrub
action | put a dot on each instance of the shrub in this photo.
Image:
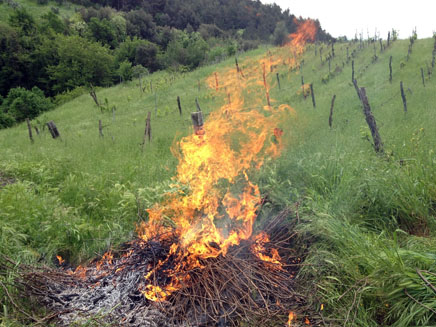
(21, 103)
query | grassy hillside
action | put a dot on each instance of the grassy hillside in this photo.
(369, 218)
(7, 7)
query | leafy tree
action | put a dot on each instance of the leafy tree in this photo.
(103, 31)
(12, 66)
(125, 71)
(51, 21)
(146, 56)
(186, 49)
(280, 36)
(81, 62)
(22, 20)
(21, 103)
(140, 24)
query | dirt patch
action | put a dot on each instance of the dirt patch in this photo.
(5, 180)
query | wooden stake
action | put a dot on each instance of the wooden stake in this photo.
(422, 76)
(53, 129)
(403, 96)
(197, 104)
(29, 128)
(216, 81)
(331, 111)
(147, 130)
(313, 95)
(389, 38)
(357, 89)
(197, 122)
(36, 130)
(390, 69)
(352, 71)
(179, 105)
(302, 86)
(370, 120)
(100, 128)
(278, 80)
(94, 96)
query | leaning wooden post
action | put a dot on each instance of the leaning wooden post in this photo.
(403, 96)
(100, 128)
(302, 86)
(331, 111)
(53, 129)
(197, 122)
(357, 89)
(197, 104)
(389, 38)
(313, 95)
(179, 105)
(352, 71)
(147, 130)
(422, 77)
(390, 69)
(29, 128)
(370, 120)
(278, 80)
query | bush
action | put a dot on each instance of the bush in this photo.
(67, 96)
(125, 71)
(21, 103)
(6, 120)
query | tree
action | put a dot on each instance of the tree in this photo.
(21, 103)
(81, 62)
(146, 56)
(141, 24)
(22, 20)
(280, 36)
(125, 71)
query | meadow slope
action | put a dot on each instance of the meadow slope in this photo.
(368, 219)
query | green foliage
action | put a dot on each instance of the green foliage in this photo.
(67, 96)
(21, 104)
(280, 35)
(185, 49)
(80, 62)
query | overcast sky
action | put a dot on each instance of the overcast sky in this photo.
(342, 17)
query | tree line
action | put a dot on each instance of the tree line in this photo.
(108, 40)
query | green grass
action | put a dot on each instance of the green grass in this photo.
(370, 218)
(66, 9)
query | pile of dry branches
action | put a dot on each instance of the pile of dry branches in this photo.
(224, 292)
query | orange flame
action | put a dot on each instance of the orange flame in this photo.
(61, 261)
(292, 316)
(216, 204)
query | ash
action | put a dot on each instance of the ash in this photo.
(109, 295)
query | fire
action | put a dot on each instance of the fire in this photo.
(216, 204)
(60, 259)
(292, 316)
(306, 31)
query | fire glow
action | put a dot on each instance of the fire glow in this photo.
(216, 203)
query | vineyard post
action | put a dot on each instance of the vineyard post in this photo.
(302, 86)
(403, 96)
(390, 69)
(179, 105)
(370, 120)
(29, 127)
(422, 76)
(313, 95)
(100, 128)
(278, 80)
(331, 111)
(352, 71)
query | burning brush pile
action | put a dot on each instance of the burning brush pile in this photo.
(197, 261)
